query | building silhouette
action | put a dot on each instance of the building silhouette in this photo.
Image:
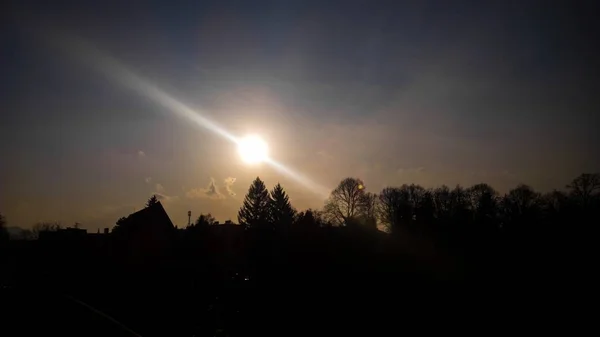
(145, 235)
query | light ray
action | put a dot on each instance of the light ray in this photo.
(112, 68)
(305, 181)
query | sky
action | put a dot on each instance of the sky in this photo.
(392, 92)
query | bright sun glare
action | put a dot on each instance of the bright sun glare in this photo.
(253, 149)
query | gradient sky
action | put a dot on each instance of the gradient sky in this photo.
(430, 92)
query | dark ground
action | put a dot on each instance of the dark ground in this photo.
(297, 290)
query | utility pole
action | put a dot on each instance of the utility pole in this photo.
(189, 218)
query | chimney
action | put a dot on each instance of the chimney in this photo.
(105, 230)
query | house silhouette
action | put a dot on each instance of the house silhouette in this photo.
(145, 235)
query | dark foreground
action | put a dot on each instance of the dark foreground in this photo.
(238, 306)
(293, 289)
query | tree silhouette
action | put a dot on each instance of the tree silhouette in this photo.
(345, 202)
(406, 201)
(584, 189)
(309, 220)
(47, 226)
(389, 208)
(203, 221)
(484, 204)
(368, 210)
(521, 206)
(254, 212)
(442, 203)
(281, 211)
(201, 226)
(460, 207)
(425, 209)
(152, 201)
(415, 195)
(554, 203)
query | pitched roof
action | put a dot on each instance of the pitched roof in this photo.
(154, 214)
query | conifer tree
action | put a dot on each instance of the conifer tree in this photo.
(254, 212)
(281, 211)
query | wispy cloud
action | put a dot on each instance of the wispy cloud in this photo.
(159, 191)
(228, 184)
(141, 154)
(211, 191)
(166, 198)
(148, 180)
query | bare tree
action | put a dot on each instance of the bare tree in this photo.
(556, 208)
(414, 194)
(345, 202)
(584, 188)
(520, 205)
(387, 208)
(483, 203)
(554, 202)
(442, 201)
(425, 209)
(415, 197)
(368, 210)
(394, 207)
(461, 202)
(46, 226)
(405, 205)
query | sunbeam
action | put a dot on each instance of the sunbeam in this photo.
(112, 68)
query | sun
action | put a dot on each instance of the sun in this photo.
(253, 149)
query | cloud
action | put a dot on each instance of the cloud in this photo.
(148, 180)
(141, 154)
(165, 198)
(161, 195)
(211, 192)
(228, 184)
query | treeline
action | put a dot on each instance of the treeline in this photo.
(478, 208)
(28, 233)
(446, 229)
